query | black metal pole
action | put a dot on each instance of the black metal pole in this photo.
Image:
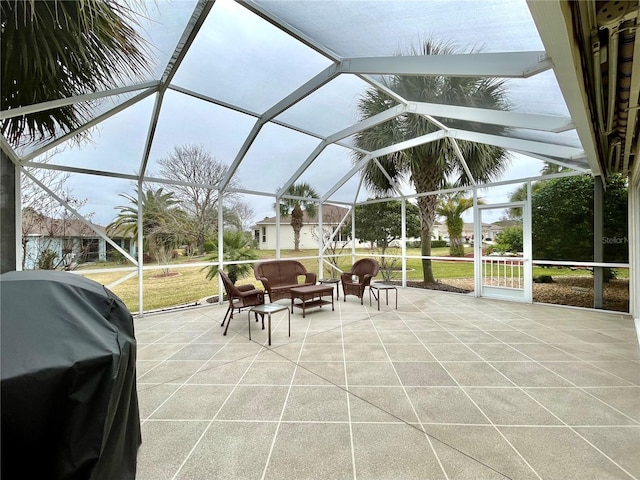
(598, 255)
(8, 229)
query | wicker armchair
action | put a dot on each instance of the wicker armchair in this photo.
(240, 296)
(364, 269)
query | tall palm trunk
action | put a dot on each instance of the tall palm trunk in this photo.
(296, 224)
(427, 206)
(427, 179)
(455, 228)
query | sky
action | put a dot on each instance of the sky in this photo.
(240, 59)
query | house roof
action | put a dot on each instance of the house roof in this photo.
(507, 223)
(37, 224)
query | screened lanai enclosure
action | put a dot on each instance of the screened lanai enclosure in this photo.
(367, 102)
(494, 144)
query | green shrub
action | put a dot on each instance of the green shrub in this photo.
(115, 256)
(510, 240)
(47, 260)
(209, 246)
(609, 274)
(438, 243)
(543, 279)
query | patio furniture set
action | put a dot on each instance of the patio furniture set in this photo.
(289, 279)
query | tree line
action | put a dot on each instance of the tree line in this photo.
(184, 213)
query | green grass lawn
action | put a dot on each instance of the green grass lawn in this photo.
(186, 285)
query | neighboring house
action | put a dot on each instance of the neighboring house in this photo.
(70, 239)
(439, 231)
(264, 231)
(501, 225)
(126, 241)
(489, 232)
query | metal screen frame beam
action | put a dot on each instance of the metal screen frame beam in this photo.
(492, 65)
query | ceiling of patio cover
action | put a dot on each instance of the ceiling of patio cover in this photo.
(69, 401)
(272, 87)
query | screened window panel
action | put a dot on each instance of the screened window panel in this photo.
(373, 28)
(185, 120)
(329, 109)
(162, 25)
(328, 168)
(241, 59)
(273, 158)
(91, 111)
(126, 129)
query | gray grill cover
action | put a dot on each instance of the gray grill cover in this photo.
(69, 400)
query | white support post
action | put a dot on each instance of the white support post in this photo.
(353, 234)
(140, 252)
(18, 210)
(404, 241)
(320, 243)
(277, 228)
(477, 245)
(220, 246)
(528, 245)
(634, 248)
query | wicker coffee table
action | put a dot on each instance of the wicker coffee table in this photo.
(332, 281)
(311, 296)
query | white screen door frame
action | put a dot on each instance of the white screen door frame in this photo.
(504, 277)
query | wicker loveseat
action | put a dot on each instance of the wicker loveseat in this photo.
(280, 276)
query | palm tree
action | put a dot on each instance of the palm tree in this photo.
(297, 206)
(451, 207)
(160, 217)
(238, 246)
(429, 166)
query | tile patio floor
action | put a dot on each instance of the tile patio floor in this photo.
(446, 387)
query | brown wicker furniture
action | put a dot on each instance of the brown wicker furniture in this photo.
(280, 276)
(308, 296)
(240, 296)
(332, 281)
(358, 279)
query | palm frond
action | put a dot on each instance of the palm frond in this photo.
(303, 190)
(485, 162)
(60, 49)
